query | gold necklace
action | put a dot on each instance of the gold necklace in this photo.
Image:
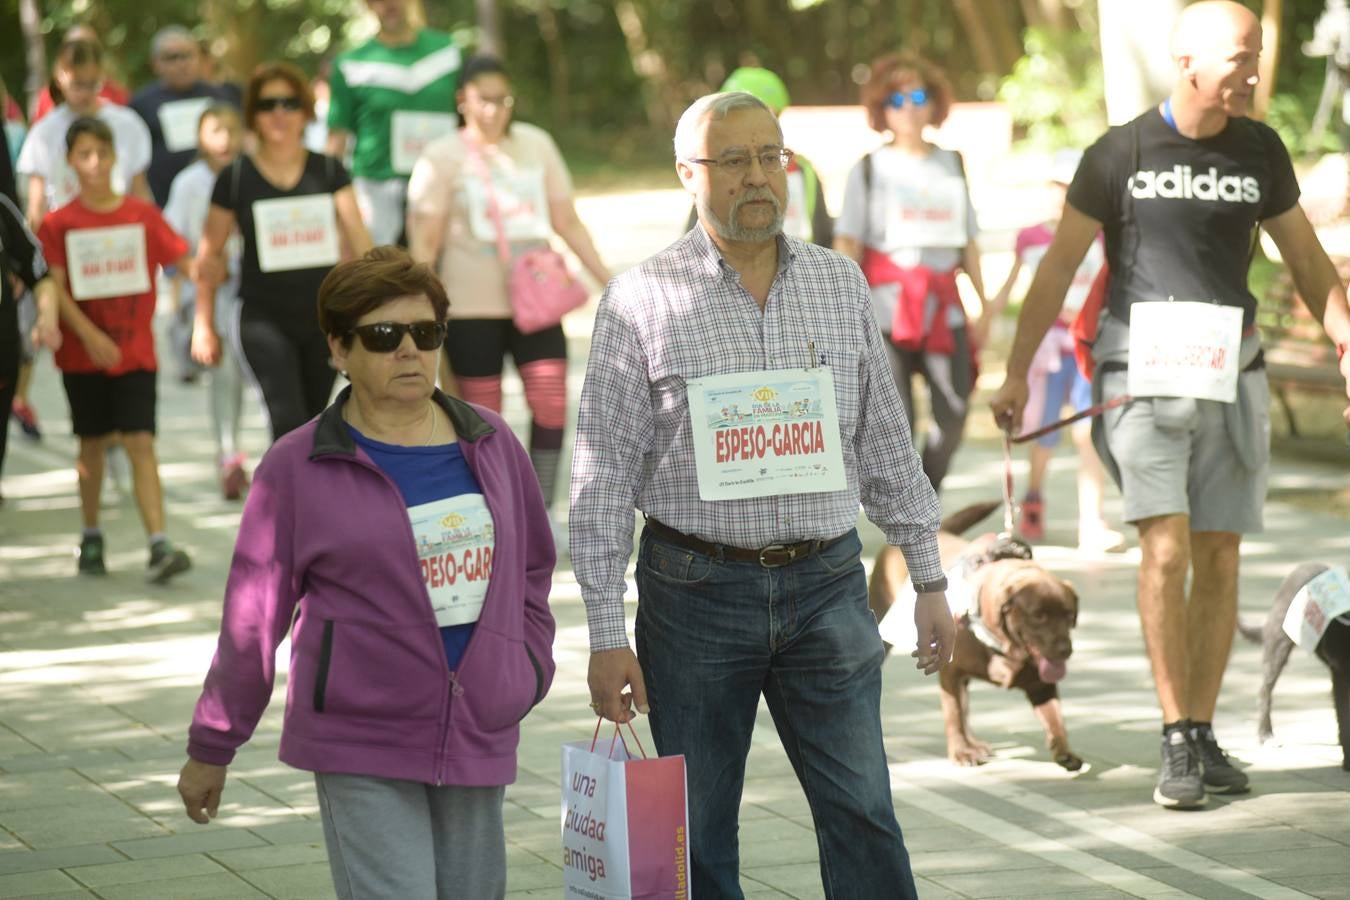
(431, 411)
(348, 413)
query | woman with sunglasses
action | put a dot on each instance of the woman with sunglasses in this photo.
(496, 175)
(292, 208)
(406, 527)
(908, 220)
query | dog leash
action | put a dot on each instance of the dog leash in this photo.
(1009, 508)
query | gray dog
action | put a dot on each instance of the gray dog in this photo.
(1333, 649)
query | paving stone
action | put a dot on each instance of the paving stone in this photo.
(60, 858)
(1020, 883)
(302, 882)
(199, 887)
(251, 858)
(138, 871)
(102, 818)
(28, 884)
(211, 837)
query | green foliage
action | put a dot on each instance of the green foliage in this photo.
(1055, 91)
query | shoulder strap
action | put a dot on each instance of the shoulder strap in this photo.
(484, 171)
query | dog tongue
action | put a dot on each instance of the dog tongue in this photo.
(1050, 671)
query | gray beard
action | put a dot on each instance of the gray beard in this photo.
(729, 231)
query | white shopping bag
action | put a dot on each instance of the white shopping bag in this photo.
(625, 823)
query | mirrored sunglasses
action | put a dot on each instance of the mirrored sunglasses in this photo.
(385, 337)
(900, 99)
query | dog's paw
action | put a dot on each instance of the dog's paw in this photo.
(1069, 760)
(973, 753)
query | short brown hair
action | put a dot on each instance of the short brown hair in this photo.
(95, 128)
(885, 77)
(277, 71)
(359, 286)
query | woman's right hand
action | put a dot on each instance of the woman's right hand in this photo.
(200, 785)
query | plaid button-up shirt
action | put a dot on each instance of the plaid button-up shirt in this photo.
(684, 314)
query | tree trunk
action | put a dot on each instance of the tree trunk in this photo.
(1136, 60)
(490, 28)
(559, 75)
(1049, 14)
(242, 29)
(648, 65)
(1270, 55)
(35, 53)
(1006, 36)
(981, 43)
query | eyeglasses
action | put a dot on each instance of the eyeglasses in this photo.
(385, 337)
(917, 97)
(770, 161)
(504, 102)
(268, 104)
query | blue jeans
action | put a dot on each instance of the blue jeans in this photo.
(714, 634)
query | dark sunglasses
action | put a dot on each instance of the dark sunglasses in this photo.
(267, 104)
(898, 100)
(385, 337)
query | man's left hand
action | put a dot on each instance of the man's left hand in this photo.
(47, 333)
(937, 632)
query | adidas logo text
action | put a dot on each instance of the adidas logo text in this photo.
(1179, 183)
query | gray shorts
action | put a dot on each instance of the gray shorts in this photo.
(1179, 457)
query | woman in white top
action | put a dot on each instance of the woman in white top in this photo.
(77, 77)
(220, 134)
(495, 174)
(908, 220)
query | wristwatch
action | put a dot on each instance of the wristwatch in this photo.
(931, 587)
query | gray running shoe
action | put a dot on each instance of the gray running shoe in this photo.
(1220, 775)
(166, 561)
(91, 555)
(1179, 782)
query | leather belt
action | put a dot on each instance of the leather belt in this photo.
(770, 557)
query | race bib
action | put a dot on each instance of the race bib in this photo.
(796, 220)
(178, 121)
(763, 434)
(1184, 349)
(454, 551)
(295, 232)
(521, 201)
(927, 214)
(107, 262)
(1314, 608)
(412, 131)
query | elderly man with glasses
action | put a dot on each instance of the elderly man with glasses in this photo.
(739, 395)
(173, 104)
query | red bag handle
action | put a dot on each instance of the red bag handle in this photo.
(618, 736)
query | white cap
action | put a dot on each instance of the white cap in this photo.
(1064, 164)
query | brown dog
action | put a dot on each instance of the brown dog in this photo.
(1024, 612)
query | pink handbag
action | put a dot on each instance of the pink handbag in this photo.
(541, 287)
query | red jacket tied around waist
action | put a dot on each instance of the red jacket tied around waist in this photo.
(916, 283)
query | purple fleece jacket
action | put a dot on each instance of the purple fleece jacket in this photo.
(369, 690)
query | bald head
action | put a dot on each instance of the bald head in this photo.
(1213, 27)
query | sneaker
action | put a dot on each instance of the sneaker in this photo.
(233, 478)
(27, 419)
(1220, 775)
(1032, 525)
(1097, 538)
(91, 555)
(1179, 783)
(166, 561)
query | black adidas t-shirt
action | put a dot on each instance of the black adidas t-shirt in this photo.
(1179, 214)
(289, 292)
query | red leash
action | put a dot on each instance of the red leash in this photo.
(1009, 440)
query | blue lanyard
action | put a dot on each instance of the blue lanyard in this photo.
(1167, 114)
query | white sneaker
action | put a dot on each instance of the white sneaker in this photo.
(1100, 539)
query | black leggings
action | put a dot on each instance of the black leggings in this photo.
(289, 361)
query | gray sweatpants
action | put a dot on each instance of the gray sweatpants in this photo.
(389, 838)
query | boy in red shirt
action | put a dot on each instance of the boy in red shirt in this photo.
(103, 249)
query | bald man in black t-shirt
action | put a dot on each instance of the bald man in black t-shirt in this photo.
(1179, 192)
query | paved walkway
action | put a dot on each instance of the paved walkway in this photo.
(98, 678)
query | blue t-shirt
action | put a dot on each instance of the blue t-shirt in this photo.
(424, 475)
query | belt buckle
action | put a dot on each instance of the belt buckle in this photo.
(776, 548)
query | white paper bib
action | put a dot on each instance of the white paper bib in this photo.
(107, 262)
(410, 132)
(454, 550)
(762, 434)
(796, 221)
(927, 213)
(295, 232)
(521, 200)
(1184, 349)
(178, 121)
(1315, 606)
